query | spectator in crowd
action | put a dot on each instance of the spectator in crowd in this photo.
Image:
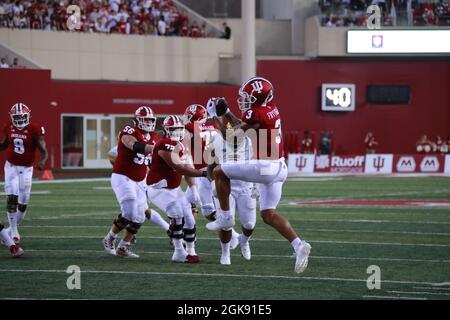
(16, 64)
(104, 16)
(162, 26)
(3, 63)
(226, 31)
(370, 142)
(424, 145)
(195, 30)
(325, 143)
(307, 144)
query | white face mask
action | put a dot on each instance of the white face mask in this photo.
(175, 134)
(20, 121)
(147, 124)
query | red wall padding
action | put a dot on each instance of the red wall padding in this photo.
(297, 93)
(396, 127)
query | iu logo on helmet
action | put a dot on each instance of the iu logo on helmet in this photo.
(257, 86)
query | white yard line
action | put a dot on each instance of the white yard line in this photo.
(394, 297)
(32, 192)
(68, 181)
(415, 292)
(431, 288)
(272, 240)
(224, 275)
(260, 228)
(256, 255)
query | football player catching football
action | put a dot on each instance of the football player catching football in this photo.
(21, 139)
(168, 166)
(128, 180)
(262, 122)
(242, 195)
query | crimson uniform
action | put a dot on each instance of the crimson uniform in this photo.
(20, 157)
(128, 177)
(204, 130)
(160, 172)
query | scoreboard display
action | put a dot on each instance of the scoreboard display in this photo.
(338, 97)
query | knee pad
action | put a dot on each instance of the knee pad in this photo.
(175, 210)
(176, 228)
(189, 234)
(133, 227)
(248, 225)
(22, 207)
(120, 222)
(11, 203)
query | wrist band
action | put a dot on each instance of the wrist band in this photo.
(139, 147)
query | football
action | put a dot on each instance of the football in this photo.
(221, 106)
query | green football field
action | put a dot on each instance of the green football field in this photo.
(352, 223)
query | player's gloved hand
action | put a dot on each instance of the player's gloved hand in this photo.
(211, 107)
(196, 196)
(255, 191)
(40, 165)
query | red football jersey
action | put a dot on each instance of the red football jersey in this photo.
(22, 144)
(129, 163)
(269, 137)
(159, 169)
(205, 131)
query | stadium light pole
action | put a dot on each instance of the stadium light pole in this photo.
(248, 58)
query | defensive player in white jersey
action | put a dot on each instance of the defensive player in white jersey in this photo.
(242, 195)
(152, 215)
(262, 122)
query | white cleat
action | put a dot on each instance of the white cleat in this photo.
(245, 249)
(225, 260)
(126, 252)
(109, 245)
(221, 224)
(234, 242)
(179, 255)
(301, 261)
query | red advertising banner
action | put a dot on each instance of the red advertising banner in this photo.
(340, 164)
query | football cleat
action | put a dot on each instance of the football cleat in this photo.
(16, 251)
(221, 224)
(245, 249)
(126, 252)
(225, 260)
(234, 242)
(179, 255)
(192, 259)
(108, 244)
(301, 261)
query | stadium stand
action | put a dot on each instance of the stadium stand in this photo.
(145, 17)
(352, 13)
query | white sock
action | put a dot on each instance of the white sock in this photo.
(12, 219)
(226, 214)
(123, 243)
(295, 243)
(225, 248)
(4, 236)
(20, 216)
(178, 244)
(156, 218)
(234, 233)
(112, 234)
(244, 238)
(190, 248)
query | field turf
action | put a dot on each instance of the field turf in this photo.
(409, 243)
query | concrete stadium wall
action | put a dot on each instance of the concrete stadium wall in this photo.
(82, 56)
(273, 37)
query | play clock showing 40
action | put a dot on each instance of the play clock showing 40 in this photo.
(338, 97)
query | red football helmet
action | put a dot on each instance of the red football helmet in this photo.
(195, 113)
(257, 91)
(174, 128)
(145, 119)
(20, 115)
